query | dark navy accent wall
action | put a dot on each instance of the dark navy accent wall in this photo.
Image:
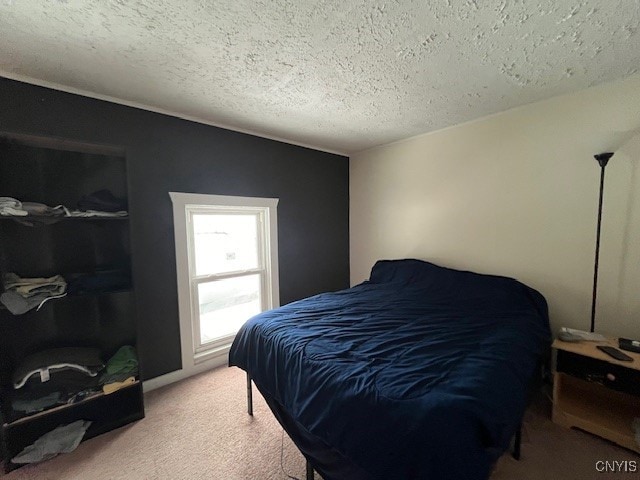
(166, 154)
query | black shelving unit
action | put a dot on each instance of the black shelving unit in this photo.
(58, 171)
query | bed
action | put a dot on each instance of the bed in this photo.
(421, 372)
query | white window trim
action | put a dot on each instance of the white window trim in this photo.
(196, 363)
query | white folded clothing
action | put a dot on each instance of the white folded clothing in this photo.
(9, 206)
(93, 213)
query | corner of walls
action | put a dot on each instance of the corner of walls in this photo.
(515, 194)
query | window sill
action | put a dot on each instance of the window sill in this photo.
(212, 353)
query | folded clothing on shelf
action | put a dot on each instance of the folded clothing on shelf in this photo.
(34, 405)
(98, 204)
(109, 388)
(42, 210)
(10, 206)
(36, 213)
(28, 287)
(24, 294)
(64, 387)
(122, 365)
(99, 282)
(44, 363)
(102, 200)
(41, 214)
(17, 304)
(94, 213)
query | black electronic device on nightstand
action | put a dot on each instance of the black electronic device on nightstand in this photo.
(629, 345)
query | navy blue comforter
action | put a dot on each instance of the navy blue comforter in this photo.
(421, 372)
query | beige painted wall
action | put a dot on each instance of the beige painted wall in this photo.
(515, 194)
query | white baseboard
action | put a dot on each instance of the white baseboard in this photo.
(181, 374)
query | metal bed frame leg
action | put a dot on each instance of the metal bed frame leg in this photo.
(249, 396)
(517, 442)
(310, 475)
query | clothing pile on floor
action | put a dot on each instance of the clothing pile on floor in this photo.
(63, 439)
(65, 376)
(97, 204)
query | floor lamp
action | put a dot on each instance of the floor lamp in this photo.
(603, 159)
(618, 140)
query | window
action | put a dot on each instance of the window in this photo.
(226, 257)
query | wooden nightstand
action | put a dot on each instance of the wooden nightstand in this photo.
(595, 392)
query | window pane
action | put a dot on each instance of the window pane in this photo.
(226, 304)
(225, 242)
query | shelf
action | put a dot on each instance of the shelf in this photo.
(59, 408)
(69, 299)
(71, 296)
(96, 294)
(62, 219)
(596, 409)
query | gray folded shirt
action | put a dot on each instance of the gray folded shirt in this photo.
(24, 294)
(17, 304)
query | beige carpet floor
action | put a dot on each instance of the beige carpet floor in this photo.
(199, 429)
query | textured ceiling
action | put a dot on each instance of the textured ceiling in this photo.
(337, 75)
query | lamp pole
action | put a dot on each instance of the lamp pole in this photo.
(603, 159)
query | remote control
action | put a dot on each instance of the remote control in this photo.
(615, 353)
